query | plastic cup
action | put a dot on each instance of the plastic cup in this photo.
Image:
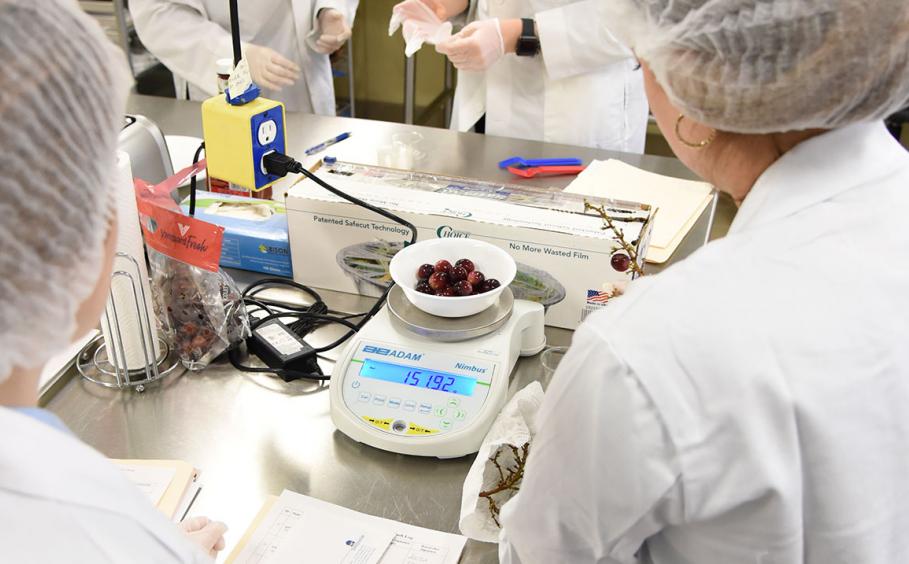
(550, 359)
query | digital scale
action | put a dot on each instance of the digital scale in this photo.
(413, 383)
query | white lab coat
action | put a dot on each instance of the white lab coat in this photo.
(61, 501)
(749, 404)
(582, 89)
(189, 36)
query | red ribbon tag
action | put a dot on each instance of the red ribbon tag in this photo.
(169, 231)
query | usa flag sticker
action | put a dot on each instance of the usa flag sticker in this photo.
(598, 299)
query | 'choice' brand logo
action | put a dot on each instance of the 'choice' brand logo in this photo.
(446, 232)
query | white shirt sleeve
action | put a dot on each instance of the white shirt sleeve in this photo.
(575, 39)
(180, 35)
(602, 475)
(346, 7)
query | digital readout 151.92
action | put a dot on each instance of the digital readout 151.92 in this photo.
(428, 380)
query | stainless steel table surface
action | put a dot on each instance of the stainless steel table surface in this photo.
(253, 435)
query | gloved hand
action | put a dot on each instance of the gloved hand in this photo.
(269, 69)
(422, 24)
(206, 533)
(476, 47)
(333, 31)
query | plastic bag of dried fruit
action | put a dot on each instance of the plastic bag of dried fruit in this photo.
(198, 305)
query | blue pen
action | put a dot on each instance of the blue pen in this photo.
(329, 143)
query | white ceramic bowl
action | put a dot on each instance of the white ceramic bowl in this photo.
(488, 259)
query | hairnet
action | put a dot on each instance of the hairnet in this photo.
(760, 66)
(61, 105)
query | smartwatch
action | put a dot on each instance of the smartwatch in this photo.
(528, 42)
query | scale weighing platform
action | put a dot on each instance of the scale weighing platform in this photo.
(413, 383)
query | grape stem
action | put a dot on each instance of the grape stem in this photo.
(619, 235)
(509, 478)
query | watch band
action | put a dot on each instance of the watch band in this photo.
(528, 42)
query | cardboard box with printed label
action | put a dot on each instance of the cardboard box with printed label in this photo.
(255, 231)
(564, 255)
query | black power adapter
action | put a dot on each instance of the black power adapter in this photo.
(282, 349)
(279, 346)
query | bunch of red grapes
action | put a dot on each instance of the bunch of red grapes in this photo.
(462, 279)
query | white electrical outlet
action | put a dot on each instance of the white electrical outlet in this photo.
(268, 131)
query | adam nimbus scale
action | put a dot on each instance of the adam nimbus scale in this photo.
(408, 382)
(418, 384)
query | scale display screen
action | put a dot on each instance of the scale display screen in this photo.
(418, 377)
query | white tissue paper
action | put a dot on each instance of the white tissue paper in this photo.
(512, 428)
(130, 318)
(426, 28)
(241, 210)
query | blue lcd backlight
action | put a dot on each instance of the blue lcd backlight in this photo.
(418, 377)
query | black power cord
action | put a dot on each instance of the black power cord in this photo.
(301, 361)
(280, 165)
(192, 181)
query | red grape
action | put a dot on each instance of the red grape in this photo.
(620, 262)
(463, 288)
(443, 266)
(458, 273)
(462, 279)
(489, 285)
(439, 280)
(466, 264)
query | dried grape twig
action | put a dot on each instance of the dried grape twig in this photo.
(509, 478)
(619, 235)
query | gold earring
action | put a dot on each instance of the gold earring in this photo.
(687, 143)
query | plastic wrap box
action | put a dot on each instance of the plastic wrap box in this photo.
(563, 255)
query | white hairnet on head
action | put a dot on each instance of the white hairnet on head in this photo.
(760, 66)
(62, 98)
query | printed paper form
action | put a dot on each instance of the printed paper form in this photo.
(281, 534)
(152, 481)
(180, 492)
(679, 202)
(331, 538)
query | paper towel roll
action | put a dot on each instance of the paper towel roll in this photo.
(130, 315)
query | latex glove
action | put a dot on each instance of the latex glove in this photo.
(421, 25)
(206, 533)
(476, 47)
(333, 31)
(269, 69)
